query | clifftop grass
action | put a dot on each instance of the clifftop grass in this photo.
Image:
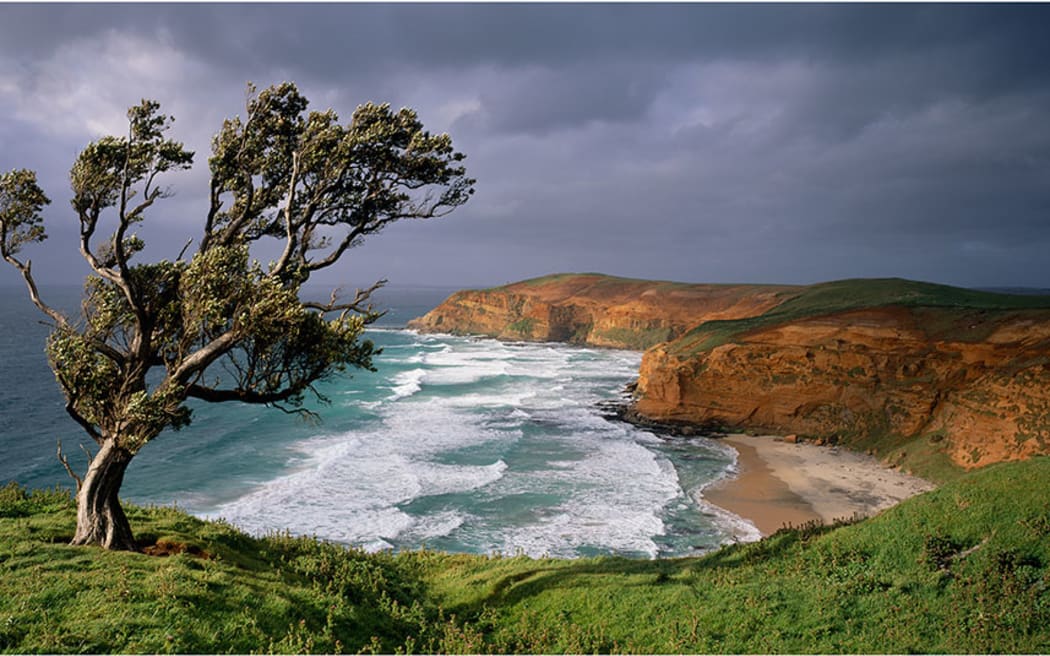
(961, 569)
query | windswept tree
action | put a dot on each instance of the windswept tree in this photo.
(219, 325)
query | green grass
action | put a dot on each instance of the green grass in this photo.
(900, 582)
(961, 569)
(635, 339)
(278, 594)
(946, 311)
(522, 326)
(923, 455)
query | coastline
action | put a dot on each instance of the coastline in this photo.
(780, 483)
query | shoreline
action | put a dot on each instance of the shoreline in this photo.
(779, 483)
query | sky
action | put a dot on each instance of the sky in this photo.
(782, 143)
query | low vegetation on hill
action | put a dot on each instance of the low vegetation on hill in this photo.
(965, 568)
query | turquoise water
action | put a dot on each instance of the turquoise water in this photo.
(461, 444)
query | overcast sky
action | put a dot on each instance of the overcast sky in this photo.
(704, 143)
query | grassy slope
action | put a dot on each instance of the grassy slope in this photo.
(962, 569)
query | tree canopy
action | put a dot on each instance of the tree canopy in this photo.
(220, 325)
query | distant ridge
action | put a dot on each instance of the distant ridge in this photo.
(1024, 291)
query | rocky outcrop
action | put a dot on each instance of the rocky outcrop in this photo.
(916, 385)
(596, 310)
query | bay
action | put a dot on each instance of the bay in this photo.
(455, 443)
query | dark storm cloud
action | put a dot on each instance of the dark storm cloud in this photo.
(700, 142)
(335, 38)
(544, 99)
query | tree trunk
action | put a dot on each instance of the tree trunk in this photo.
(100, 519)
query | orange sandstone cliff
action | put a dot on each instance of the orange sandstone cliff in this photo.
(887, 379)
(595, 310)
(932, 378)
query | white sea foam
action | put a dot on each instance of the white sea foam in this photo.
(619, 490)
(350, 489)
(436, 525)
(407, 383)
(458, 367)
(441, 462)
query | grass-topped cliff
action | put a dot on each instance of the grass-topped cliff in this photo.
(933, 378)
(594, 309)
(961, 569)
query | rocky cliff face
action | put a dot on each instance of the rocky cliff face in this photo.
(917, 385)
(595, 310)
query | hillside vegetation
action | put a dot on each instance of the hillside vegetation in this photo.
(960, 569)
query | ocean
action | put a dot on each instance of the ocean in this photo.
(460, 444)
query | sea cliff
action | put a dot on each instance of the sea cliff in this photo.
(596, 310)
(932, 378)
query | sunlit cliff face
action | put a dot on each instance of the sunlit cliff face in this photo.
(867, 376)
(596, 310)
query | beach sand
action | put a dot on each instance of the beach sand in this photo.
(781, 483)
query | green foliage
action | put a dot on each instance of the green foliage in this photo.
(637, 339)
(222, 326)
(362, 175)
(93, 381)
(107, 169)
(522, 326)
(962, 569)
(283, 347)
(213, 288)
(16, 501)
(938, 552)
(21, 201)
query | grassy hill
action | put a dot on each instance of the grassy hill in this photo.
(961, 569)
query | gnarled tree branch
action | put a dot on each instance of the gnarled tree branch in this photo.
(69, 470)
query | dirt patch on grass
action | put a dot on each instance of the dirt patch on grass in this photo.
(164, 548)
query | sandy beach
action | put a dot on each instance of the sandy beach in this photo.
(781, 483)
